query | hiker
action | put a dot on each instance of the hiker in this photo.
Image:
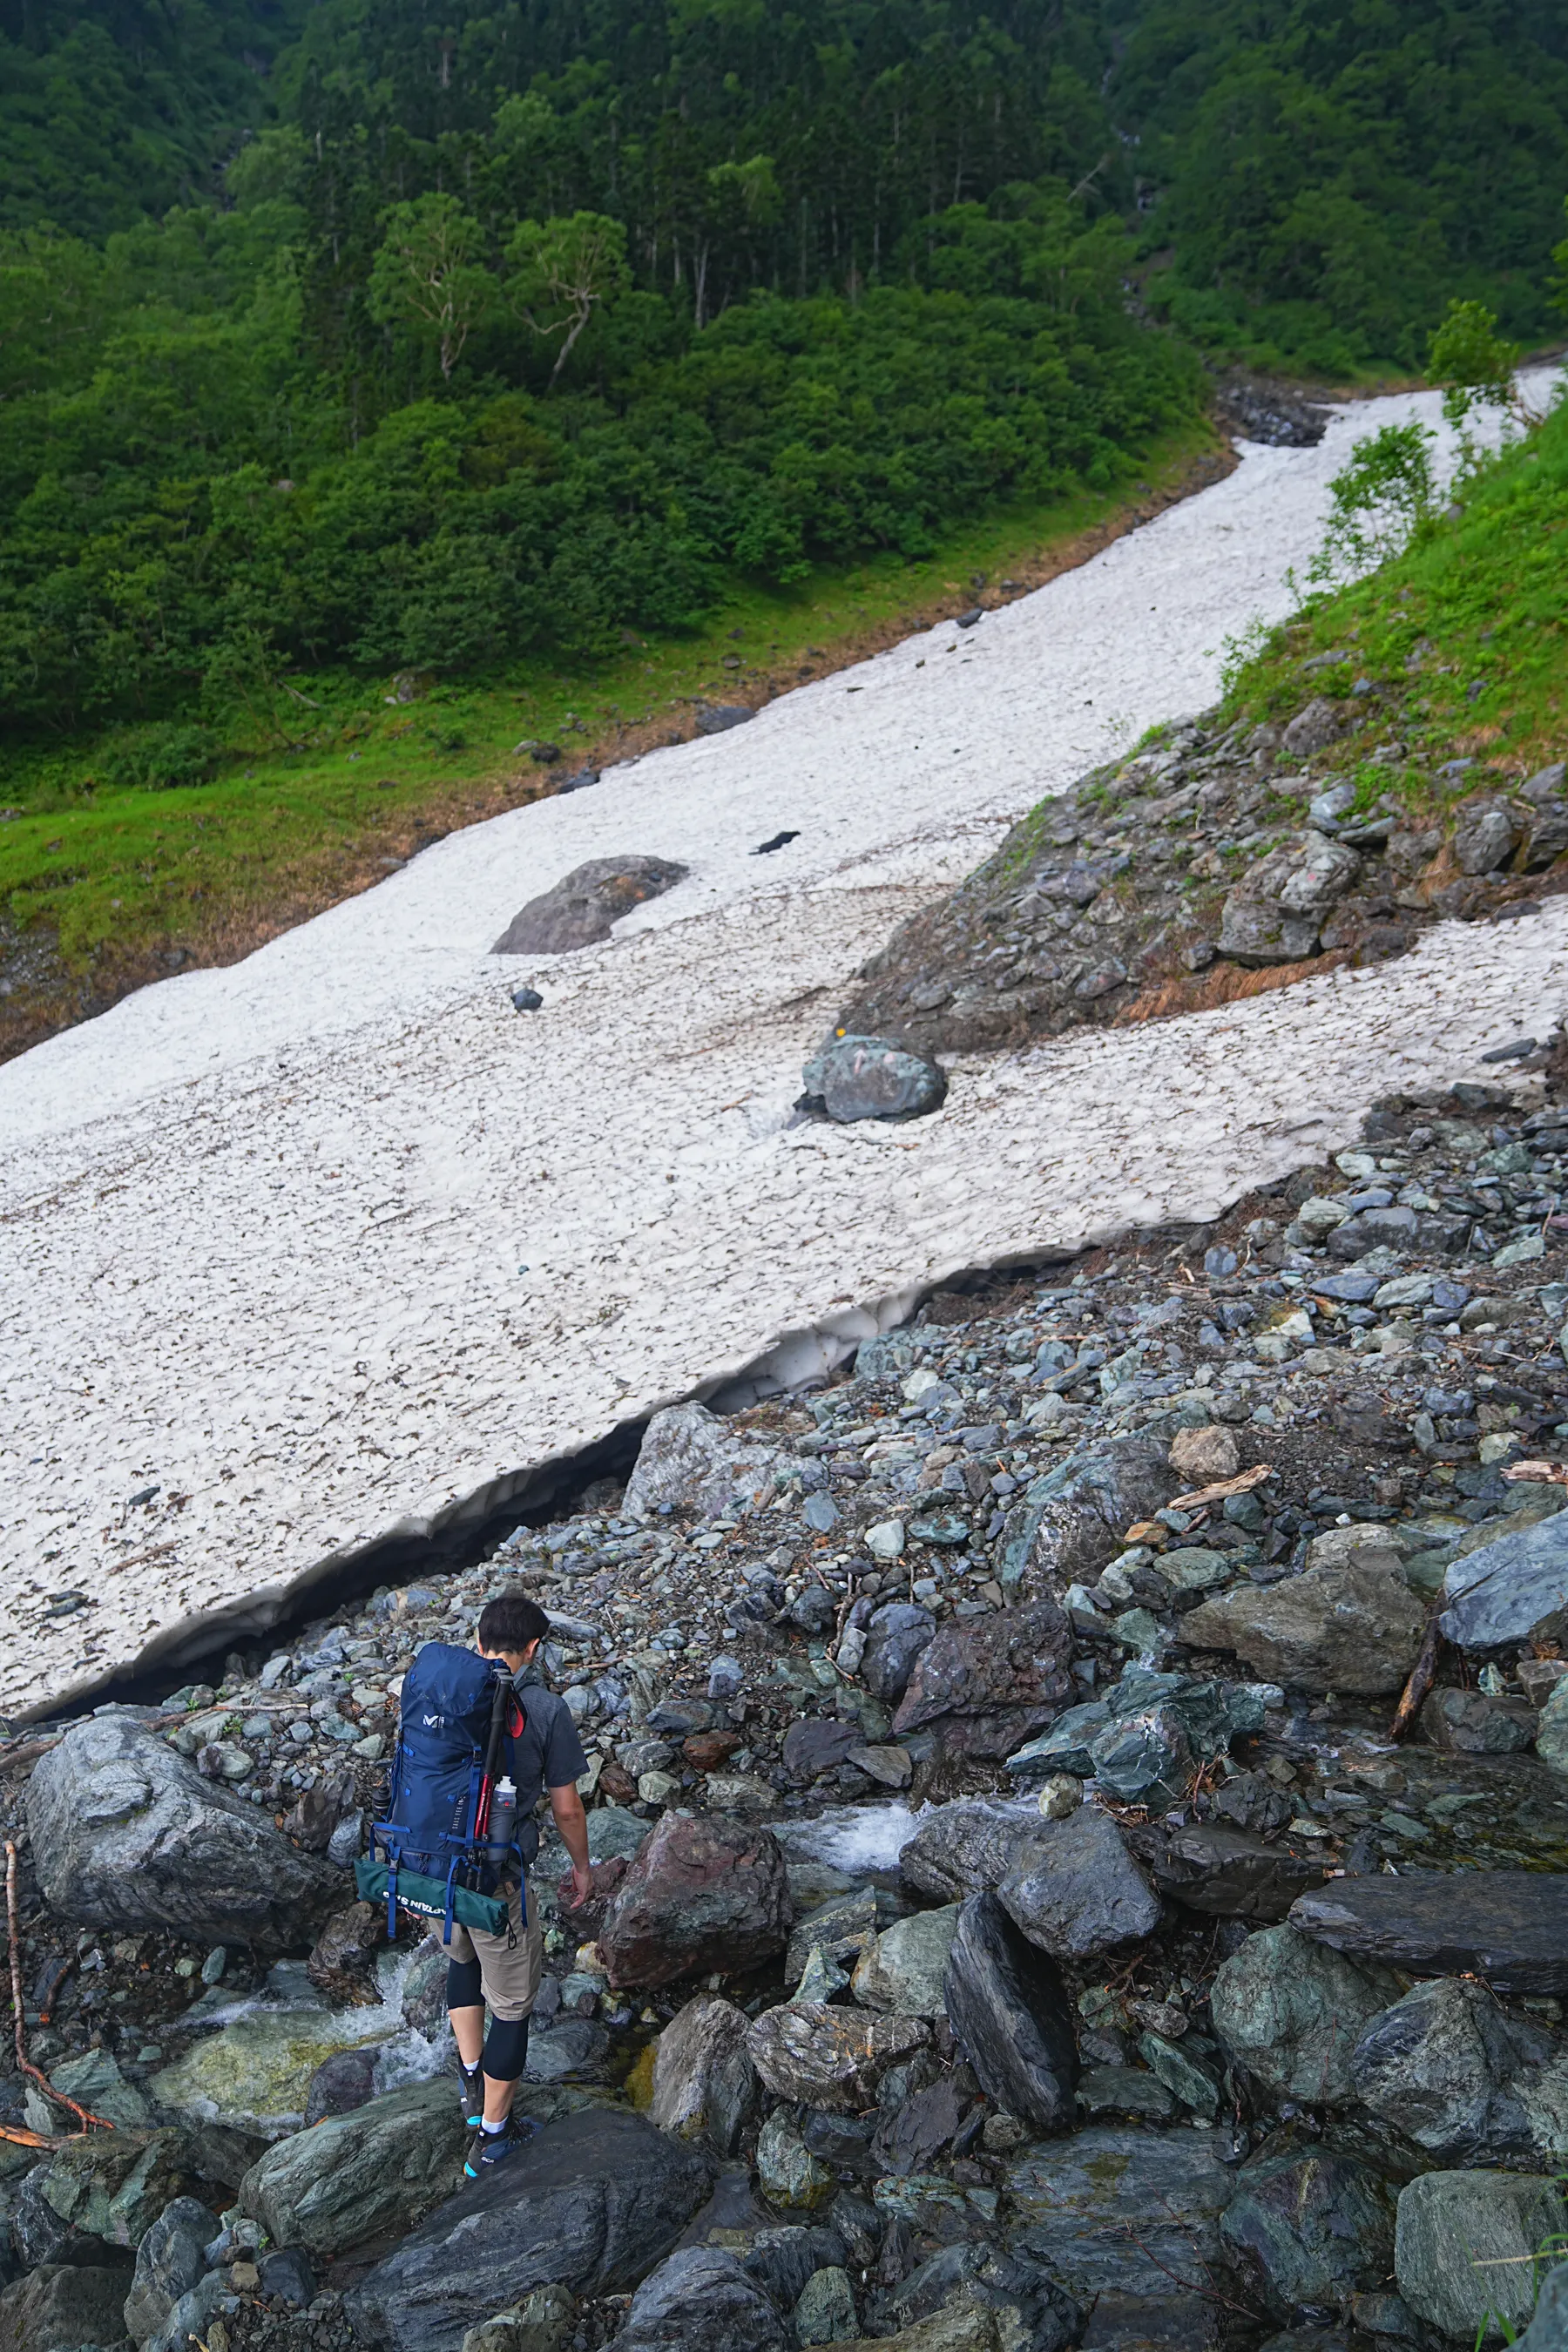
(503, 1971)
(480, 1740)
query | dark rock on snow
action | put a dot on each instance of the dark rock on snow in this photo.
(581, 908)
(871, 1078)
(127, 1835)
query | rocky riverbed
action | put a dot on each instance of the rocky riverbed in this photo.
(1014, 1924)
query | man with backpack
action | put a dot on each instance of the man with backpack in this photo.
(477, 1746)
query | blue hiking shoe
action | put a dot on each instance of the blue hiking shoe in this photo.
(487, 2149)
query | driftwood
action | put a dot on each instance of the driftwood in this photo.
(24, 2064)
(1422, 1674)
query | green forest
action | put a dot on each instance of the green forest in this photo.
(372, 338)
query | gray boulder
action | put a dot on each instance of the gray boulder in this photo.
(170, 2260)
(895, 1634)
(1033, 2313)
(1009, 2011)
(381, 2166)
(1072, 1521)
(1468, 1723)
(782, 2261)
(1466, 2249)
(1552, 1731)
(591, 2203)
(701, 2300)
(1292, 2013)
(1507, 1926)
(192, 2317)
(825, 2309)
(1548, 2331)
(1120, 2210)
(1274, 913)
(1353, 1626)
(56, 2309)
(872, 1077)
(828, 2057)
(127, 1835)
(1077, 1891)
(703, 1893)
(967, 1848)
(691, 1459)
(1309, 2229)
(900, 1971)
(107, 2186)
(1144, 1739)
(1317, 725)
(1228, 1874)
(985, 1685)
(704, 2085)
(580, 909)
(1448, 2068)
(1509, 1590)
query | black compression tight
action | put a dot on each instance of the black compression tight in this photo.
(506, 2049)
(465, 1986)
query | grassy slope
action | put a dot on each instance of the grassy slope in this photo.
(1465, 635)
(102, 888)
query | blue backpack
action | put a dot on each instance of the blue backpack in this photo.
(441, 1863)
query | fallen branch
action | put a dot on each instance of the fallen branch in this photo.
(1421, 1678)
(1241, 1485)
(1540, 1474)
(23, 2063)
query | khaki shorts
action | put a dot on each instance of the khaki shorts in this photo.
(509, 1973)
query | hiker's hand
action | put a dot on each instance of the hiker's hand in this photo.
(582, 1887)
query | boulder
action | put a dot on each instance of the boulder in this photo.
(1507, 1926)
(917, 2125)
(1010, 2011)
(704, 2085)
(110, 2185)
(55, 2309)
(591, 2203)
(382, 2167)
(192, 2317)
(817, 1743)
(1548, 2331)
(895, 1636)
(170, 2260)
(1509, 1590)
(1074, 1520)
(341, 2084)
(579, 911)
(966, 1848)
(1309, 2229)
(1552, 1731)
(1119, 2208)
(985, 1685)
(691, 1459)
(787, 2171)
(1468, 1723)
(256, 2076)
(1466, 2249)
(1292, 2013)
(783, 2261)
(1320, 723)
(825, 2311)
(1448, 2068)
(1202, 1457)
(1354, 1627)
(839, 1929)
(900, 1971)
(701, 2300)
(1228, 1874)
(829, 2057)
(1033, 2313)
(95, 2082)
(1077, 1891)
(872, 1077)
(702, 1894)
(127, 1835)
(1144, 1740)
(544, 2321)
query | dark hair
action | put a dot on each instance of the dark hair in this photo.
(510, 1622)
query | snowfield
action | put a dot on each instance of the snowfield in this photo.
(334, 1246)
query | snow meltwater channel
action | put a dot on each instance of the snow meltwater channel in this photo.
(333, 1246)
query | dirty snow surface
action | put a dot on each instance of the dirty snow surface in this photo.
(333, 1246)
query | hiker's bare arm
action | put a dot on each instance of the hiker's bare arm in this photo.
(572, 1824)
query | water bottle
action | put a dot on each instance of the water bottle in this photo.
(503, 1820)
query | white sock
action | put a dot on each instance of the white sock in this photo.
(492, 2128)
